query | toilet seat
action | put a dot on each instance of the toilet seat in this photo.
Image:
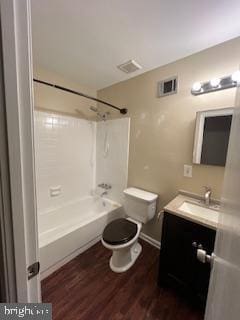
(119, 231)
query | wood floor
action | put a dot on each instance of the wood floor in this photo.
(86, 289)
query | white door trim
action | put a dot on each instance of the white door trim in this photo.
(17, 63)
(7, 260)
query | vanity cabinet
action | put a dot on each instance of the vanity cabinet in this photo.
(178, 263)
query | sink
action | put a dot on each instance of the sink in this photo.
(200, 211)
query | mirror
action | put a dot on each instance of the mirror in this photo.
(212, 136)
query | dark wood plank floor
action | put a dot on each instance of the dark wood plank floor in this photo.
(86, 289)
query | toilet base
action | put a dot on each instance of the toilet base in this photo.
(124, 259)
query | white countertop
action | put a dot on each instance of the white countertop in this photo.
(173, 207)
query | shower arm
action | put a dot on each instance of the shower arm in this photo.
(121, 110)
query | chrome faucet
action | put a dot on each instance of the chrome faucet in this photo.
(207, 195)
(105, 187)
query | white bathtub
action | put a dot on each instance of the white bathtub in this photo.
(67, 231)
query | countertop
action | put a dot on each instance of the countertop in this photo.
(173, 208)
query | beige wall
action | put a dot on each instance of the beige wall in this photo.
(162, 129)
(50, 99)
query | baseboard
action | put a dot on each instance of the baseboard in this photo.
(150, 240)
(59, 264)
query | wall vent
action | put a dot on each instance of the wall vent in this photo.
(129, 66)
(167, 87)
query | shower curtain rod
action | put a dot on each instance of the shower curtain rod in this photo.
(121, 110)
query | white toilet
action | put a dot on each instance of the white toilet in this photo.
(121, 235)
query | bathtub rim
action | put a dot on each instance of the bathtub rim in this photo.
(76, 200)
(73, 227)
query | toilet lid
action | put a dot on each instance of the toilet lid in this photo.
(119, 231)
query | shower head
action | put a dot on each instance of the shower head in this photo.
(101, 115)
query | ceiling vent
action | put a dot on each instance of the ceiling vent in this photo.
(129, 66)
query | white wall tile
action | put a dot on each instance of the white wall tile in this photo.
(65, 155)
(70, 153)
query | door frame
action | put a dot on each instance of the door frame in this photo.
(18, 100)
(7, 261)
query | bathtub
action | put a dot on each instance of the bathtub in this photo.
(67, 231)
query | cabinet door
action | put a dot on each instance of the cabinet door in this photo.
(177, 256)
(205, 238)
(178, 263)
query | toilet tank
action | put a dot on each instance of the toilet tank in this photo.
(140, 205)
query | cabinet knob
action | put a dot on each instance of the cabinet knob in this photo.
(194, 244)
(197, 245)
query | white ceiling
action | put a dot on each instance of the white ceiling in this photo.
(86, 40)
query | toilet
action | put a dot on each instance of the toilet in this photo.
(121, 235)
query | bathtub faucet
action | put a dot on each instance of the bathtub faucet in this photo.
(105, 186)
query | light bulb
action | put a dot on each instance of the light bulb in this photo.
(196, 86)
(236, 76)
(215, 82)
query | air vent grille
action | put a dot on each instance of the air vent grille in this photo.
(130, 66)
(167, 87)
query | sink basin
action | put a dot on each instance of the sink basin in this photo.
(199, 211)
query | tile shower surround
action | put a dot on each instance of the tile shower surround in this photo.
(66, 158)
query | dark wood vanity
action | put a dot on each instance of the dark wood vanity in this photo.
(178, 263)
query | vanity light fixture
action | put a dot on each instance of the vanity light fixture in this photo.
(196, 87)
(236, 76)
(216, 84)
